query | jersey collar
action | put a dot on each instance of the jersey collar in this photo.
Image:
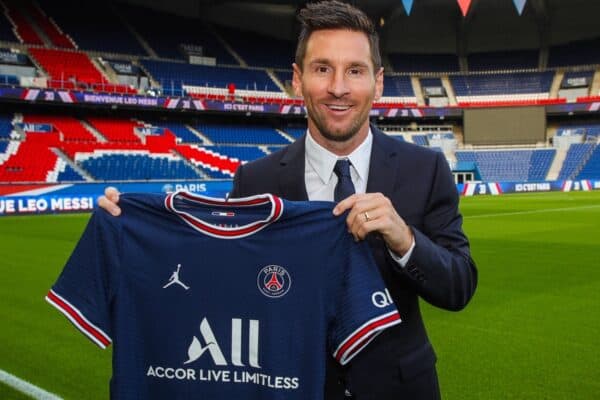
(224, 232)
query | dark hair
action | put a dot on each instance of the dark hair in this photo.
(333, 14)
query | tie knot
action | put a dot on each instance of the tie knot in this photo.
(342, 168)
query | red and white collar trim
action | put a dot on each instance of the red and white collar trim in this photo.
(223, 232)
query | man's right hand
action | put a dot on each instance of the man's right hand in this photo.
(109, 201)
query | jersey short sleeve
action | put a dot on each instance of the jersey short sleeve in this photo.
(363, 306)
(84, 288)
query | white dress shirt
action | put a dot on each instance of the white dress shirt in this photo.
(320, 180)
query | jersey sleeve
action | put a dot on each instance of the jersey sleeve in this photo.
(364, 307)
(84, 288)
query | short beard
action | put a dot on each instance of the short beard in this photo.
(327, 134)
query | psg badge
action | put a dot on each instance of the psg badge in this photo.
(273, 281)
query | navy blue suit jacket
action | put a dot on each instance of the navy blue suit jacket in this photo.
(440, 270)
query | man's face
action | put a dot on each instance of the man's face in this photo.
(338, 84)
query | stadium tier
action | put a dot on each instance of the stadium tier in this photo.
(503, 60)
(582, 52)
(259, 50)
(510, 165)
(229, 134)
(84, 29)
(74, 70)
(23, 28)
(136, 165)
(424, 62)
(6, 31)
(47, 26)
(592, 166)
(576, 158)
(507, 87)
(168, 43)
(173, 76)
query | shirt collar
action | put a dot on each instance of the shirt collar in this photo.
(323, 161)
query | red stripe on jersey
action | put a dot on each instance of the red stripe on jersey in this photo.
(276, 212)
(80, 322)
(363, 335)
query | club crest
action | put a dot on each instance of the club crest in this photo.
(274, 281)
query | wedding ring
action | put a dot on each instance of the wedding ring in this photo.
(367, 216)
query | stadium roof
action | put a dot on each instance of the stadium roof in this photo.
(435, 26)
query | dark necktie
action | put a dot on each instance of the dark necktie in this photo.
(344, 186)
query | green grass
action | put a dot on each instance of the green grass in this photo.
(532, 331)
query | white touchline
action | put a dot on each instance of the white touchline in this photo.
(26, 387)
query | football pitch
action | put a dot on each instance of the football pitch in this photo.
(532, 331)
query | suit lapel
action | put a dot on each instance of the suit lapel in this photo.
(382, 167)
(291, 172)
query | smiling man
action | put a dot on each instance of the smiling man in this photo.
(405, 203)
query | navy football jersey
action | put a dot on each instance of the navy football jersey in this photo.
(205, 298)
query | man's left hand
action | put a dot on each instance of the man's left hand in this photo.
(373, 212)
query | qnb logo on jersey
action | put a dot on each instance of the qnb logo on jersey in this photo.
(273, 281)
(211, 346)
(175, 279)
(382, 299)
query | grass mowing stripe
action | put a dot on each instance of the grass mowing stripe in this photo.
(531, 212)
(26, 387)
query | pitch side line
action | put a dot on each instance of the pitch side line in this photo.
(26, 387)
(531, 212)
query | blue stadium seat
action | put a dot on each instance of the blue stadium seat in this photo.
(510, 165)
(172, 76)
(502, 84)
(135, 166)
(577, 154)
(591, 168)
(242, 153)
(246, 134)
(6, 126)
(397, 86)
(69, 175)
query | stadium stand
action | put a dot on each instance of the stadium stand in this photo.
(259, 50)
(591, 169)
(167, 42)
(70, 128)
(214, 165)
(247, 134)
(513, 87)
(182, 132)
(6, 31)
(136, 165)
(74, 70)
(424, 62)
(582, 52)
(503, 60)
(66, 173)
(117, 130)
(577, 155)
(241, 153)
(32, 161)
(510, 165)
(55, 35)
(115, 37)
(398, 90)
(6, 126)
(172, 76)
(24, 30)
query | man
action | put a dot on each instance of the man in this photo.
(405, 205)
